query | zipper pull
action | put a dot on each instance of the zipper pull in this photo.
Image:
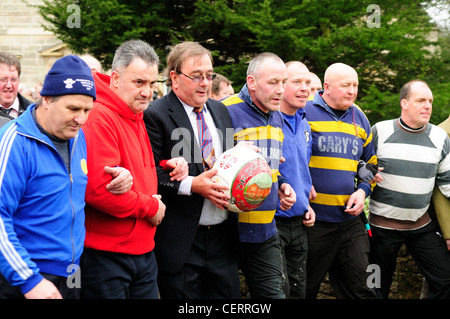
(71, 180)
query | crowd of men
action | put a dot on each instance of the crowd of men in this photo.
(107, 193)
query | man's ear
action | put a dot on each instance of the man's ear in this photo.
(174, 78)
(115, 78)
(404, 104)
(326, 88)
(251, 82)
(45, 101)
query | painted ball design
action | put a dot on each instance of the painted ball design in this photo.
(247, 174)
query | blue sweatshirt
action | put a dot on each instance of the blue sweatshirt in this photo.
(41, 204)
(297, 146)
(338, 144)
(266, 131)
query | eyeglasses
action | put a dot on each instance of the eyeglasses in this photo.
(199, 78)
(5, 80)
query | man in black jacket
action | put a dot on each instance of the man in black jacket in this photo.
(12, 104)
(196, 244)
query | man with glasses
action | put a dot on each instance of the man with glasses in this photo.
(196, 244)
(12, 104)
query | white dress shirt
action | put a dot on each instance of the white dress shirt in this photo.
(211, 214)
(15, 108)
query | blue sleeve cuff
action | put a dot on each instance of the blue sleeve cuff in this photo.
(365, 186)
(31, 283)
(281, 180)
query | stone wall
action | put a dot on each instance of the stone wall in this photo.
(22, 34)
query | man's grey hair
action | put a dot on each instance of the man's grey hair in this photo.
(258, 62)
(132, 49)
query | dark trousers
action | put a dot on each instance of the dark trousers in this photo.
(294, 249)
(107, 275)
(426, 247)
(262, 266)
(342, 250)
(210, 271)
(66, 288)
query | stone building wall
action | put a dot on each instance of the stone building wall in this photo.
(22, 34)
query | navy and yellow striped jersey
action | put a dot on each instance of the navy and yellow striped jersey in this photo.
(338, 145)
(266, 132)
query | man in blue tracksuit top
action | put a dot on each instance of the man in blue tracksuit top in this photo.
(43, 176)
(297, 146)
(256, 118)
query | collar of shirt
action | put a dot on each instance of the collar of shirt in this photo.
(337, 114)
(209, 122)
(244, 94)
(190, 109)
(15, 108)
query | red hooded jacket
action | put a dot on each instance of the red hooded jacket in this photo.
(116, 136)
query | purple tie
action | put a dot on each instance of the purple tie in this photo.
(206, 142)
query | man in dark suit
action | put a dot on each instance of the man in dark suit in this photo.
(197, 244)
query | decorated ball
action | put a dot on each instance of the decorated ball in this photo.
(247, 174)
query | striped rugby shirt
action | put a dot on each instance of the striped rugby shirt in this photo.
(338, 144)
(414, 161)
(266, 132)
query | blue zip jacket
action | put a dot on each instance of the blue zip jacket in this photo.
(297, 146)
(250, 124)
(41, 204)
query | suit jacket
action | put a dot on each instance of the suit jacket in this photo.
(23, 105)
(171, 135)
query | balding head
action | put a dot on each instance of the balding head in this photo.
(340, 86)
(92, 62)
(297, 64)
(336, 70)
(316, 84)
(261, 61)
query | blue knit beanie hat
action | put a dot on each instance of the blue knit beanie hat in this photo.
(69, 75)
